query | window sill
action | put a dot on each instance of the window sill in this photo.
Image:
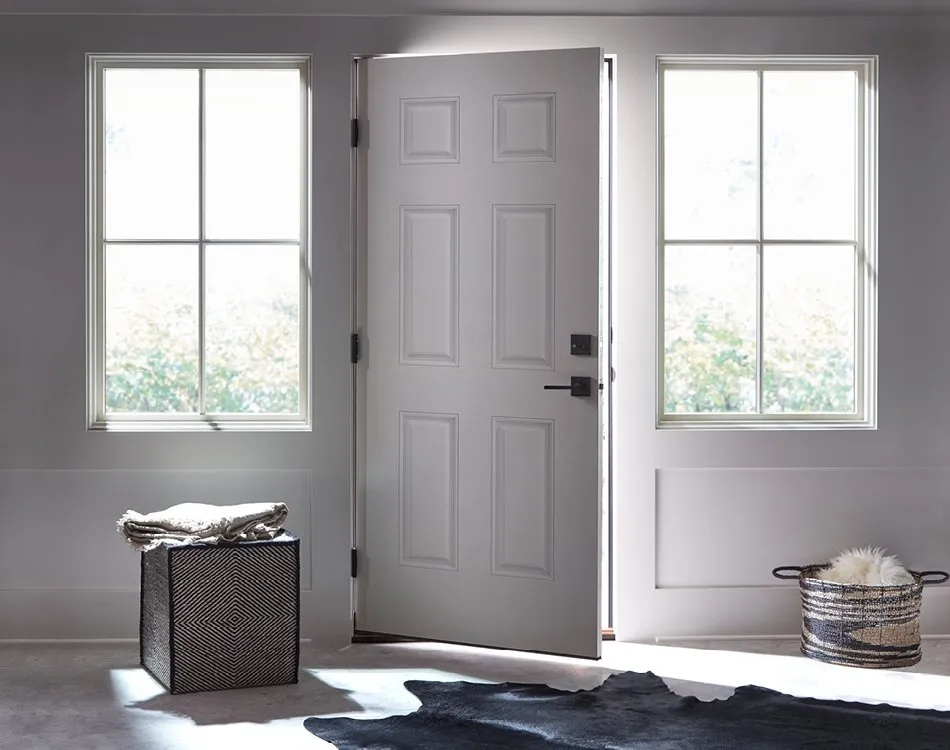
(198, 426)
(744, 424)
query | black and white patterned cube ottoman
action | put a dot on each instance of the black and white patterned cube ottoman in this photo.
(221, 616)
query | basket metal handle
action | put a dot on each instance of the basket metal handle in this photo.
(942, 577)
(778, 572)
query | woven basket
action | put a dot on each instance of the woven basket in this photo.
(877, 627)
(221, 616)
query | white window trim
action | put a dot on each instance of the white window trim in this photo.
(96, 416)
(865, 416)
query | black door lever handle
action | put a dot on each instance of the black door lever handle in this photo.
(579, 387)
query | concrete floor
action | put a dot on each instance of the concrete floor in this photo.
(96, 697)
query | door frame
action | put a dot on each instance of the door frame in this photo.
(358, 313)
(358, 341)
(607, 374)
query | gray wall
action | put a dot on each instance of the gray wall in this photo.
(701, 517)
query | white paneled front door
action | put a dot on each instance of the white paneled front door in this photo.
(481, 515)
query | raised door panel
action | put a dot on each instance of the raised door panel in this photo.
(523, 288)
(429, 285)
(428, 490)
(523, 497)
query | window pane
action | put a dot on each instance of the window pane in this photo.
(151, 328)
(252, 309)
(252, 154)
(710, 142)
(809, 156)
(809, 337)
(151, 154)
(710, 313)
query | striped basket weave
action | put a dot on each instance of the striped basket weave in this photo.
(877, 627)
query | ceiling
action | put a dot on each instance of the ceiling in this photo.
(482, 7)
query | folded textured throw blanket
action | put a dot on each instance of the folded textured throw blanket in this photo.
(187, 523)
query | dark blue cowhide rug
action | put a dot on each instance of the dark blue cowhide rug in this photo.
(630, 710)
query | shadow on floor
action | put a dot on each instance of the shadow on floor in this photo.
(255, 705)
(487, 665)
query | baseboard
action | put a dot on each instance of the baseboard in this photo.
(68, 641)
(82, 641)
(661, 639)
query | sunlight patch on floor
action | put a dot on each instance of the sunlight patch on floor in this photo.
(731, 664)
(126, 707)
(382, 692)
(133, 685)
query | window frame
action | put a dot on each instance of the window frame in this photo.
(865, 244)
(97, 416)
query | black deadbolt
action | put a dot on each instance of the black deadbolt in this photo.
(582, 344)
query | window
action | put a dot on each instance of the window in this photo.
(198, 242)
(766, 241)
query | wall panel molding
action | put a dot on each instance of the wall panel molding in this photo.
(726, 528)
(83, 551)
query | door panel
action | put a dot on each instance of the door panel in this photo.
(481, 517)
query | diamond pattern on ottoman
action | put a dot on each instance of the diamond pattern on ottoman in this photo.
(221, 616)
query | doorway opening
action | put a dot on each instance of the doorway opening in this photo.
(412, 556)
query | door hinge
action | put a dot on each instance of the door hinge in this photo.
(354, 348)
(354, 133)
(353, 562)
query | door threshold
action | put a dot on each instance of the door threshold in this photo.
(366, 636)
